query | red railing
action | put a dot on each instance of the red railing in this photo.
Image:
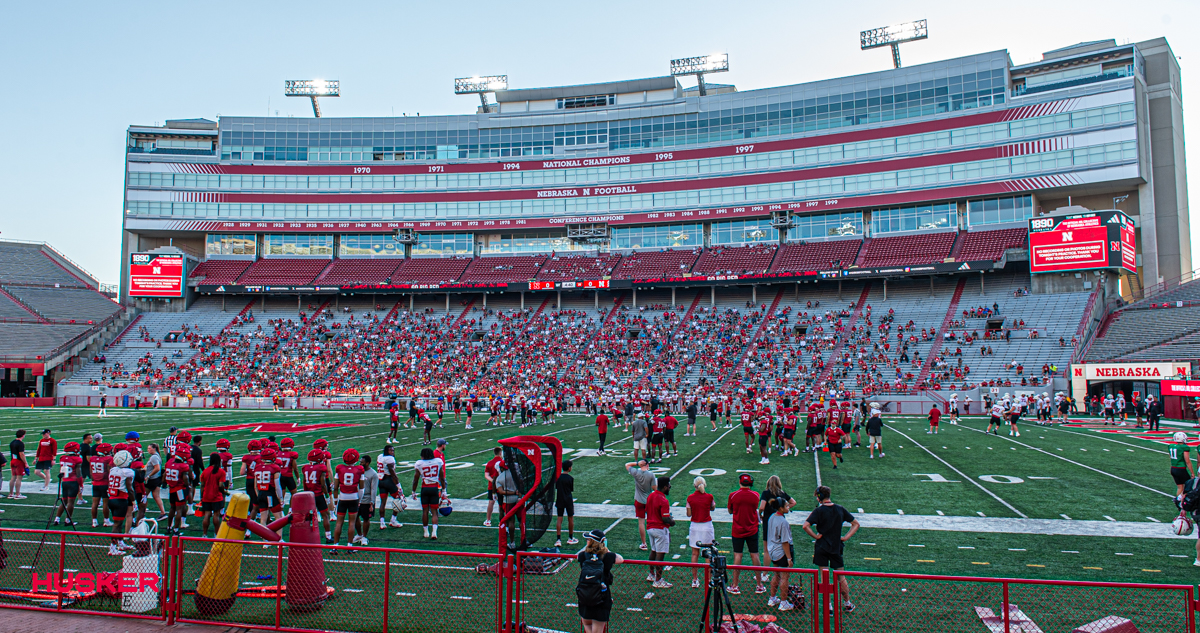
(369, 589)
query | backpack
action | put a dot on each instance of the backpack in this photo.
(591, 590)
(1191, 495)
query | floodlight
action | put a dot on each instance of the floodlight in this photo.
(480, 85)
(698, 66)
(312, 88)
(894, 36)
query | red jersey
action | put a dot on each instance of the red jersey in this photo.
(935, 415)
(492, 468)
(348, 478)
(835, 434)
(100, 465)
(437, 454)
(701, 504)
(658, 425)
(47, 449)
(671, 422)
(118, 482)
(820, 417)
(789, 421)
(134, 448)
(764, 425)
(602, 423)
(287, 463)
(175, 475)
(227, 464)
(743, 507)
(250, 460)
(73, 467)
(314, 478)
(210, 485)
(656, 506)
(265, 475)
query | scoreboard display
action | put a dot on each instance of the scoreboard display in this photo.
(156, 275)
(1082, 241)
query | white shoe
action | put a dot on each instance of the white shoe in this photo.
(773, 601)
(113, 550)
(108, 523)
(362, 540)
(696, 581)
(183, 525)
(382, 525)
(1196, 563)
(1018, 434)
(764, 461)
(662, 584)
(784, 605)
(394, 523)
(487, 523)
(650, 577)
(572, 541)
(356, 539)
(95, 523)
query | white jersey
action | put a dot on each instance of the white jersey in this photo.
(431, 472)
(1108, 402)
(382, 464)
(997, 410)
(953, 401)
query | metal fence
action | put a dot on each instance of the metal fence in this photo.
(292, 587)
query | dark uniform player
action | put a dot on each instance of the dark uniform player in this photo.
(1181, 461)
(564, 503)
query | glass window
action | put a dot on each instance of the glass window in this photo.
(919, 218)
(662, 236)
(370, 245)
(744, 232)
(830, 225)
(298, 245)
(444, 244)
(220, 244)
(999, 210)
(527, 243)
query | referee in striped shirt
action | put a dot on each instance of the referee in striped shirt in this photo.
(169, 443)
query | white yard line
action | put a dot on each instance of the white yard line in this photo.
(714, 443)
(817, 465)
(1109, 439)
(1097, 470)
(961, 473)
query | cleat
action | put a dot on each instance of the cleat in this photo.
(572, 541)
(784, 605)
(734, 590)
(773, 601)
(760, 589)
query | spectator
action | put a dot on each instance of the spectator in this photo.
(700, 505)
(779, 549)
(829, 543)
(594, 613)
(643, 485)
(743, 508)
(658, 528)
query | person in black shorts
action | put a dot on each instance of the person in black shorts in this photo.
(594, 617)
(564, 503)
(829, 542)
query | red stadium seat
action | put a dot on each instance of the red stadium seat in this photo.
(220, 271)
(908, 250)
(656, 264)
(283, 271)
(736, 260)
(346, 272)
(990, 245)
(795, 258)
(507, 269)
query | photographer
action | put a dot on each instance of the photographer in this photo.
(827, 548)
(658, 526)
(594, 591)
(700, 505)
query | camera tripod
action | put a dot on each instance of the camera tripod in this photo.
(59, 501)
(716, 597)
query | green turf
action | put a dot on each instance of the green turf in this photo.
(884, 486)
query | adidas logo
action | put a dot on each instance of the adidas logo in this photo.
(965, 266)
(1115, 219)
(220, 288)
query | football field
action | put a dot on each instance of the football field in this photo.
(1066, 502)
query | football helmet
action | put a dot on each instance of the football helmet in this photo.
(350, 456)
(1182, 525)
(122, 459)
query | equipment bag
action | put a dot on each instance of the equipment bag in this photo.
(591, 589)
(1191, 495)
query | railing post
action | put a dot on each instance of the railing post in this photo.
(387, 591)
(278, 582)
(62, 555)
(1004, 604)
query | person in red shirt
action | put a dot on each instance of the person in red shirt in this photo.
(177, 475)
(213, 485)
(743, 508)
(658, 428)
(314, 478)
(789, 432)
(286, 458)
(266, 484)
(700, 505)
(747, 425)
(764, 436)
(670, 423)
(226, 460)
(602, 430)
(349, 485)
(834, 437)
(47, 450)
(491, 471)
(935, 416)
(249, 460)
(72, 480)
(658, 525)
(99, 465)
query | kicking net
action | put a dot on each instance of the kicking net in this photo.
(525, 459)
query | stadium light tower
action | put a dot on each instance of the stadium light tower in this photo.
(481, 86)
(312, 88)
(698, 66)
(894, 36)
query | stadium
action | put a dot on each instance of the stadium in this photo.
(968, 235)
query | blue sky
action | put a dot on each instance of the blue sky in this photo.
(80, 73)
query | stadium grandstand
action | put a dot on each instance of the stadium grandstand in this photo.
(56, 318)
(883, 233)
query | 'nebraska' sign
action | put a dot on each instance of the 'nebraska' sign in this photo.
(1135, 371)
